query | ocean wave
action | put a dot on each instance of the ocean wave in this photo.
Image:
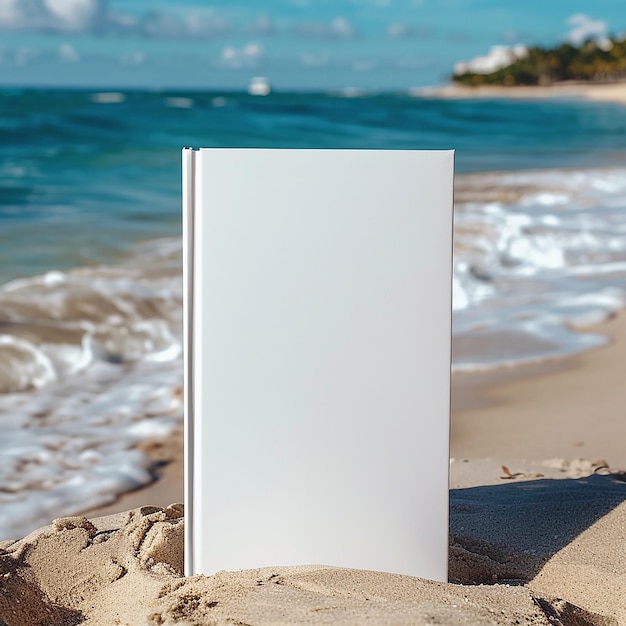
(90, 355)
(90, 366)
(61, 322)
(536, 254)
(547, 246)
(73, 445)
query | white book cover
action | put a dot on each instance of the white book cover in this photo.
(317, 335)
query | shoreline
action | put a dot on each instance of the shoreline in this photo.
(603, 92)
(167, 487)
(566, 409)
(570, 408)
(537, 525)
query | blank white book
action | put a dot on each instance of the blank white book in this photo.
(317, 295)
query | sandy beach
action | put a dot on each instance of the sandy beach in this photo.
(538, 462)
(537, 528)
(601, 92)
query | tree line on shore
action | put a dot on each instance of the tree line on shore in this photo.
(592, 61)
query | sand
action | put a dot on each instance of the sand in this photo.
(126, 569)
(570, 408)
(537, 528)
(537, 545)
(603, 92)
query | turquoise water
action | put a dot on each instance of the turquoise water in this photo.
(90, 255)
(82, 174)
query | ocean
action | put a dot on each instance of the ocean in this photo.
(90, 272)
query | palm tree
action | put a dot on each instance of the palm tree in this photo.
(590, 61)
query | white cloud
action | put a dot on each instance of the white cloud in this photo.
(68, 54)
(66, 16)
(583, 28)
(163, 25)
(497, 58)
(121, 22)
(364, 66)
(263, 26)
(206, 24)
(52, 15)
(10, 12)
(604, 43)
(399, 30)
(339, 28)
(315, 60)
(76, 15)
(252, 50)
(249, 55)
(16, 14)
(134, 58)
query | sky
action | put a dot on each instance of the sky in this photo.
(296, 44)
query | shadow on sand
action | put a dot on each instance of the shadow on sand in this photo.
(506, 533)
(514, 528)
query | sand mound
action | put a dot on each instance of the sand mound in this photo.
(127, 569)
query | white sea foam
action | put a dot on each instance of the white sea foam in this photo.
(546, 252)
(71, 447)
(179, 103)
(90, 359)
(90, 366)
(108, 97)
(23, 365)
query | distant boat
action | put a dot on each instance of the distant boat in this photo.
(259, 86)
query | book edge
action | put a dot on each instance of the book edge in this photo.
(188, 204)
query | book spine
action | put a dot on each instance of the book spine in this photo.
(189, 200)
